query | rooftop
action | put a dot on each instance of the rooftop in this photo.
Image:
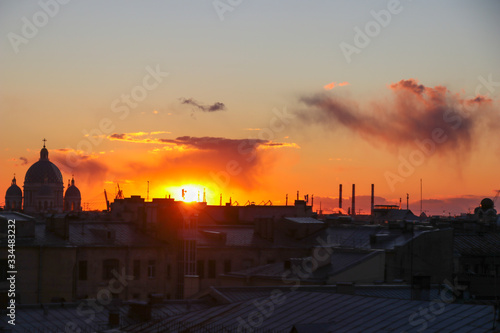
(335, 313)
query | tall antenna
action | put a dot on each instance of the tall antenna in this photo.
(147, 198)
(204, 196)
(420, 196)
(407, 201)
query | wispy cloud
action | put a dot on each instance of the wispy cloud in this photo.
(138, 137)
(217, 106)
(413, 114)
(86, 168)
(332, 85)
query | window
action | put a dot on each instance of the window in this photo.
(200, 265)
(137, 269)
(211, 269)
(227, 266)
(108, 267)
(82, 270)
(151, 269)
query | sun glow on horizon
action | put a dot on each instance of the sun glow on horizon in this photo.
(188, 192)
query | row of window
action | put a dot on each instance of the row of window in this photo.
(109, 266)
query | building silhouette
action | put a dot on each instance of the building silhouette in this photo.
(43, 190)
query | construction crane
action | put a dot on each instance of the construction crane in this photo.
(107, 201)
(119, 194)
(496, 196)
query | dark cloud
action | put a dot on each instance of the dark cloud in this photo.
(218, 106)
(215, 143)
(415, 114)
(117, 136)
(24, 160)
(230, 163)
(86, 168)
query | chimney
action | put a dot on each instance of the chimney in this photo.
(353, 210)
(340, 196)
(373, 198)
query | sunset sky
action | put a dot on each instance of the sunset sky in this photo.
(256, 99)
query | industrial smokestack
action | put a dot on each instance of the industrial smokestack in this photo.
(340, 196)
(373, 198)
(353, 210)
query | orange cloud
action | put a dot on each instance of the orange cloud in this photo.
(332, 85)
(415, 115)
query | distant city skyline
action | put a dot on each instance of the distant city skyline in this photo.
(256, 101)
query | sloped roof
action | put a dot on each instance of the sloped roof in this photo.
(487, 244)
(350, 236)
(342, 313)
(304, 220)
(56, 317)
(340, 260)
(238, 294)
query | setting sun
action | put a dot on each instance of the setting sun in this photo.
(188, 193)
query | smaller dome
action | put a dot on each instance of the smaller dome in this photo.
(72, 191)
(486, 204)
(14, 190)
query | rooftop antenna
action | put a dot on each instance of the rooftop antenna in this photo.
(407, 201)
(496, 196)
(420, 196)
(286, 200)
(44, 140)
(221, 199)
(147, 197)
(297, 195)
(204, 195)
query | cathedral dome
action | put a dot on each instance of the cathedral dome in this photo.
(72, 191)
(14, 190)
(43, 171)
